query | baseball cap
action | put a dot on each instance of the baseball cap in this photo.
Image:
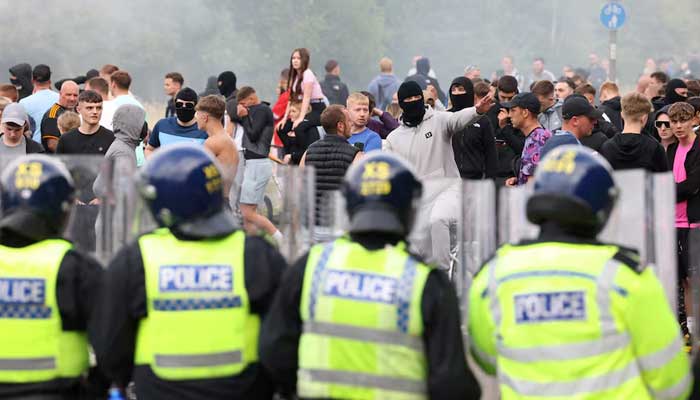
(527, 101)
(577, 105)
(14, 113)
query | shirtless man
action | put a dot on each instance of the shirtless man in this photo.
(210, 111)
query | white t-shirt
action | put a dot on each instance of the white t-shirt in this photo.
(110, 106)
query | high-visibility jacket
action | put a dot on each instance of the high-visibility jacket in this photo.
(34, 347)
(199, 323)
(362, 324)
(575, 321)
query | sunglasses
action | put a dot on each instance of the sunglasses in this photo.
(186, 106)
(662, 124)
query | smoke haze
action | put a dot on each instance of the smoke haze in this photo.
(201, 38)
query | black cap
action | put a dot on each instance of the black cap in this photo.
(527, 101)
(577, 105)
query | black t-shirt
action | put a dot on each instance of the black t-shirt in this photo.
(49, 123)
(74, 142)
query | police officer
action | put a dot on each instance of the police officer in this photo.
(567, 316)
(47, 289)
(186, 300)
(360, 317)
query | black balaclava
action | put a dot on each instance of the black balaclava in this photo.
(671, 96)
(413, 111)
(227, 83)
(462, 101)
(23, 81)
(423, 66)
(185, 114)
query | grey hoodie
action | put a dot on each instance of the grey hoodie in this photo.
(386, 85)
(127, 123)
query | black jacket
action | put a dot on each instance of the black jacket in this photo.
(335, 91)
(258, 126)
(123, 305)
(510, 142)
(296, 145)
(632, 150)
(448, 374)
(423, 81)
(475, 150)
(689, 189)
(595, 141)
(77, 291)
(613, 109)
(331, 157)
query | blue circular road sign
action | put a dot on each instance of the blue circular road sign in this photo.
(613, 15)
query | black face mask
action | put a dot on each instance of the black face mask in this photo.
(671, 96)
(184, 114)
(16, 82)
(462, 101)
(413, 112)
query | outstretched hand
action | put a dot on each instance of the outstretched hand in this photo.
(485, 104)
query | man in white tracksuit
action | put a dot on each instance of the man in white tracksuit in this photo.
(425, 140)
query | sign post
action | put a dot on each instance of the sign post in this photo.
(613, 16)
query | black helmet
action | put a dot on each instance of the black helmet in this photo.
(575, 188)
(183, 187)
(37, 196)
(381, 194)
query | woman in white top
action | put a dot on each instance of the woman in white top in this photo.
(304, 87)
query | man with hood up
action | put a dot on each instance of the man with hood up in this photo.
(129, 130)
(474, 147)
(21, 77)
(384, 86)
(226, 83)
(211, 87)
(676, 91)
(423, 79)
(424, 139)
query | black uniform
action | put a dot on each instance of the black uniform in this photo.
(279, 339)
(124, 301)
(77, 290)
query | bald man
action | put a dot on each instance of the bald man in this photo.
(67, 100)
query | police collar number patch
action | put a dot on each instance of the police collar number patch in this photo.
(550, 306)
(360, 286)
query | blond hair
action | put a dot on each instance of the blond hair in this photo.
(68, 121)
(357, 98)
(635, 106)
(386, 65)
(297, 104)
(610, 87)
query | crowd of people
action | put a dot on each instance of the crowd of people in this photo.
(497, 128)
